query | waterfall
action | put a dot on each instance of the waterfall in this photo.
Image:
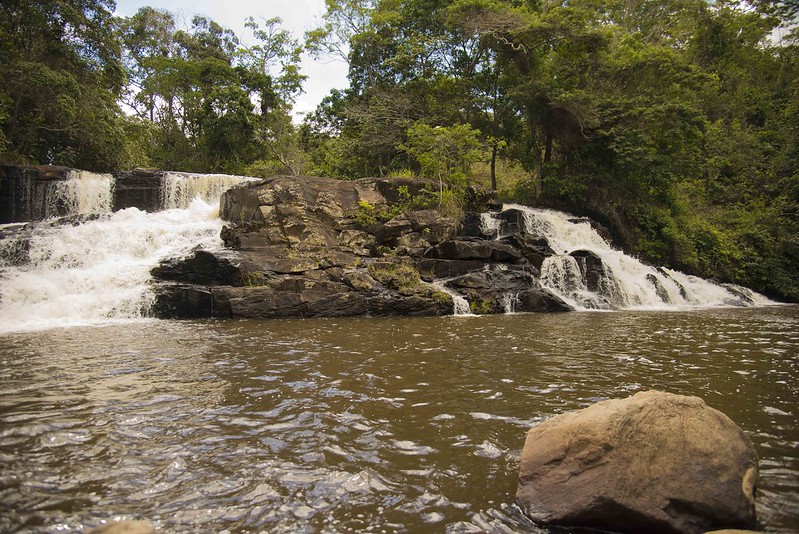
(181, 188)
(98, 271)
(460, 306)
(509, 302)
(56, 273)
(80, 193)
(590, 274)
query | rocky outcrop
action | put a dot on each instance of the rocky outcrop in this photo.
(139, 188)
(314, 247)
(652, 463)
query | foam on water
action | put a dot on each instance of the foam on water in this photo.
(98, 271)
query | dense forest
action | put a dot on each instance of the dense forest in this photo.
(675, 123)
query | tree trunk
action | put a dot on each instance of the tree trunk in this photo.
(494, 167)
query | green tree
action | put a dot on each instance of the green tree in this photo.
(218, 105)
(444, 152)
(61, 72)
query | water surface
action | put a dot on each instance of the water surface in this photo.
(395, 425)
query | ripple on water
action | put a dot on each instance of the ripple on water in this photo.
(362, 425)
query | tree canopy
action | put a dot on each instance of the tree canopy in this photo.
(675, 123)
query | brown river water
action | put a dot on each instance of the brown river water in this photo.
(358, 425)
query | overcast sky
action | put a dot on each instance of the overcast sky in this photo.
(298, 16)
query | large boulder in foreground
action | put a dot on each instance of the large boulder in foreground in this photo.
(652, 463)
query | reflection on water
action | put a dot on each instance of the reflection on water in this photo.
(360, 424)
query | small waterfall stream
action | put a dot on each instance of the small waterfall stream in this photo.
(460, 306)
(58, 273)
(180, 189)
(588, 273)
(80, 193)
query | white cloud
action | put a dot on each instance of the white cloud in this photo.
(298, 17)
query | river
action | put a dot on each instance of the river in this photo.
(365, 425)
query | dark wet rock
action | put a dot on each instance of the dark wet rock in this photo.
(328, 299)
(660, 291)
(533, 249)
(539, 299)
(202, 268)
(511, 221)
(654, 462)
(186, 301)
(461, 249)
(491, 290)
(431, 225)
(15, 244)
(479, 200)
(431, 268)
(472, 226)
(592, 267)
(389, 233)
(683, 292)
(474, 249)
(139, 188)
(743, 296)
(599, 280)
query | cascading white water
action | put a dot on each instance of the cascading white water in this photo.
(99, 271)
(621, 281)
(509, 302)
(80, 193)
(181, 188)
(87, 193)
(460, 306)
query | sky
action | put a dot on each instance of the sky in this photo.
(298, 17)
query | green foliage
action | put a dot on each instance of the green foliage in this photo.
(398, 276)
(61, 72)
(480, 306)
(219, 106)
(366, 216)
(444, 152)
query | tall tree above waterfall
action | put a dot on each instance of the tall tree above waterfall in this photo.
(210, 103)
(61, 76)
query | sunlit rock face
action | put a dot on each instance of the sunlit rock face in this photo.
(312, 247)
(654, 462)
